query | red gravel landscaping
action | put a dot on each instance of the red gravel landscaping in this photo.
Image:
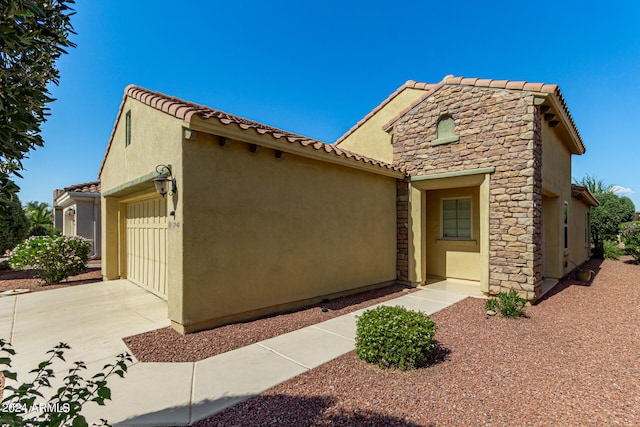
(167, 345)
(23, 279)
(573, 361)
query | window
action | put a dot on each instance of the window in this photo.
(566, 225)
(445, 131)
(127, 141)
(456, 218)
(587, 230)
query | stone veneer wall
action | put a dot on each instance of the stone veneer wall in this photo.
(498, 128)
(402, 209)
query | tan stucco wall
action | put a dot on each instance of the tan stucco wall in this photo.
(126, 176)
(451, 258)
(262, 232)
(556, 187)
(580, 247)
(556, 164)
(370, 139)
(428, 257)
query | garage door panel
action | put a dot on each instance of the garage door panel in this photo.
(146, 244)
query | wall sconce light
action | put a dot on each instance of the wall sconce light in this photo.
(160, 181)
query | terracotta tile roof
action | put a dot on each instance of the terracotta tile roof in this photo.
(87, 187)
(551, 89)
(409, 84)
(583, 194)
(185, 110)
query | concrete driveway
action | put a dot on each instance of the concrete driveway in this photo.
(91, 318)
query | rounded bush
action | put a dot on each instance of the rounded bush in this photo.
(395, 337)
(53, 257)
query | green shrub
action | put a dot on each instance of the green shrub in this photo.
(39, 230)
(395, 337)
(14, 225)
(507, 304)
(612, 250)
(53, 257)
(630, 235)
(64, 407)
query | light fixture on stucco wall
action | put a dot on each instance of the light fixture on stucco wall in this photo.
(160, 181)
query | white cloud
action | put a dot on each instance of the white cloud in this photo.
(622, 191)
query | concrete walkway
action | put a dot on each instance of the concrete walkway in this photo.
(93, 319)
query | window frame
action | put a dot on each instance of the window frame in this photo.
(456, 238)
(127, 129)
(566, 225)
(449, 137)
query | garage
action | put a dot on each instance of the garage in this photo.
(146, 243)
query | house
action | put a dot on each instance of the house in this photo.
(229, 219)
(637, 217)
(77, 213)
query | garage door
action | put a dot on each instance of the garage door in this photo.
(147, 244)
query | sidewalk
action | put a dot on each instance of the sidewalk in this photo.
(157, 394)
(183, 393)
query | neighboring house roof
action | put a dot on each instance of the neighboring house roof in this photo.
(548, 89)
(185, 110)
(87, 187)
(409, 84)
(583, 194)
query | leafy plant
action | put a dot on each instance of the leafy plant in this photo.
(606, 218)
(611, 250)
(14, 224)
(35, 33)
(23, 408)
(40, 216)
(507, 304)
(630, 235)
(395, 337)
(54, 257)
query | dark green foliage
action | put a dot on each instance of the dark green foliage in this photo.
(507, 304)
(65, 405)
(40, 217)
(611, 250)
(606, 218)
(630, 235)
(14, 225)
(33, 36)
(39, 230)
(395, 337)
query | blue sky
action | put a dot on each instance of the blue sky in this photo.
(316, 68)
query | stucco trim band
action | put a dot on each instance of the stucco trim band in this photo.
(131, 186)
(479, 171)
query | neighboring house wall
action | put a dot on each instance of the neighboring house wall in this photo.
(366, 138)
(77, 213)
(499, 141)
(264, 233)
